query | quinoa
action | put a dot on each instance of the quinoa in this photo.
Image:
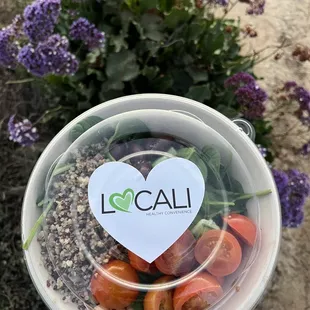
(71, 226)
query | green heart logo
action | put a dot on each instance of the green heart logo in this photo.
(122, 202)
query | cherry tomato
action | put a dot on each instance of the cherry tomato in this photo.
(159, 300)
(228, 257)
(140, 264)
(243, 227)
(179, 259)
(198, 293)
(220, 280)
(109, 294)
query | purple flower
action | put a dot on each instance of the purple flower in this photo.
(293, 188)
(289, 85)
(293, 217)
(40, 19)
(281, 179)
(256, 7)
(22, 132)
(203, 3)
(83, 30)
(251, 99)
(49, 57)
(305, 150)
(299, 183)
(303, 97)
(239, 79)
(9, 48)
(248, 94)
(293, 210)
(222, 2)
(262, 150)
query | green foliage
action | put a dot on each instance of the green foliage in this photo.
(152, 46)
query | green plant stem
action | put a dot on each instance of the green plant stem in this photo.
(20, 81)
(219, 203)
(271, 54)
(257, 194)
(57, 109)
(233, 4)
(37, 225)
(41, 203)
(62, 169)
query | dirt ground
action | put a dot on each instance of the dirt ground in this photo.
(286, 20)
(290, 288)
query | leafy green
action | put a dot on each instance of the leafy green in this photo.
(176, 17)
(152, 46)
(199, 93)
(61, 169)
(203, 226)
(83, 126)
(212, 158)
(153, 26)
(198, 75)
(165, 5)
(171, 151)
(128, 129)
(192, 155)
(137, 304)
(220, 201)
(122, 66)
(37, 226)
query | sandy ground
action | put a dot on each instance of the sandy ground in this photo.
(284, 19)
(290, 20)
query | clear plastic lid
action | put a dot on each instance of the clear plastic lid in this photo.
(151, 209)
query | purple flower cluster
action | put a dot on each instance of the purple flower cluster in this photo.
(249, 95)
(251, 99)
(256, 7)
(8, 48)
(49, 57)
(40, 19)
(221, 2)
(289, 85)
(22, 132)
(298, 93)
(83, 30)
(239, 79)
(305, 150)
(17, 26)
(293, 188)
(302, 97)
(262, 150)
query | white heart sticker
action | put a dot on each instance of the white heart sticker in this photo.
(146, 216)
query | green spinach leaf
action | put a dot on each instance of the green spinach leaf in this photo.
(212, 158)
(83, 126)
(171, 151)
(192, 155)
(129, 129)
(203, 226)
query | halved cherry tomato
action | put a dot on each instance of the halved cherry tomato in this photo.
(109, 294)
(220, 280)
(243, 227)
(198, 293)
(140, 264)
(228, 257)
(159, 300)
(179, 259)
